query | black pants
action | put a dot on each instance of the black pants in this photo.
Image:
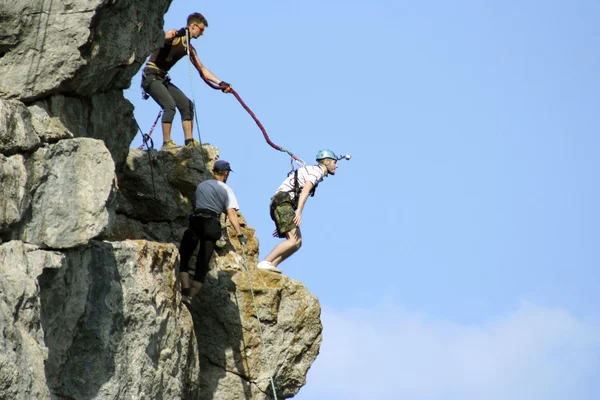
(167, 95)
(205, 231)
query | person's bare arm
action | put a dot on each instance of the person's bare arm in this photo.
(205, 71)
(232, 215)
(170, 35)
(301, 201)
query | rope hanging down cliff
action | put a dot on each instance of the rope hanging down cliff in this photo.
(243, 104)
(262, 339)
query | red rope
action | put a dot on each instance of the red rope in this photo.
(239, 99)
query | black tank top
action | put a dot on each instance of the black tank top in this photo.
(165, 57)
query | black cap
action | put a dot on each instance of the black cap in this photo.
(222, 166)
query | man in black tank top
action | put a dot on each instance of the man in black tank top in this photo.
(157, 84)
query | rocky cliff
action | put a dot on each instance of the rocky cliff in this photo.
(89, 297)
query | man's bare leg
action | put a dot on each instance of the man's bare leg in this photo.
(184, 278)
(187, 129)
(286, 248)
(196, 287)
(166, 128)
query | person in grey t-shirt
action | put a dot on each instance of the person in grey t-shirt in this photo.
(213, 197)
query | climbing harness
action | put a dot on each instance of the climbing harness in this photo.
(295, 158)
(297, 190)
(262, 339)
(148, 137)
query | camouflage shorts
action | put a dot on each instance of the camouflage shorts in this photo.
(282, 212)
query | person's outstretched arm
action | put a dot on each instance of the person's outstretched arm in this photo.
(206, 72)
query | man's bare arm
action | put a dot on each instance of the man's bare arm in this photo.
(232, 215)
(205, 71)
(301, 201)
(170, 35)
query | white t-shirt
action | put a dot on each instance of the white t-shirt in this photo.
(311, 173)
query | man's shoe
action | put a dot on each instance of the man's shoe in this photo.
(267, 266)
(187, 300)
(192, 143)
(169, 144)
(222, 242)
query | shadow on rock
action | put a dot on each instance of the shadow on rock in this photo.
(82, 318)
(224, 371)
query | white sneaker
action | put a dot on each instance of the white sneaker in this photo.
(267, 266)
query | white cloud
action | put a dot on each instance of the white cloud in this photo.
(534, 353)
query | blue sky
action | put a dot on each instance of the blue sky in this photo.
(456, 255)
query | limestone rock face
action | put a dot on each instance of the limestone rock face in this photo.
(104, 319)
(13, 190)
(81, 47)
(22, 348)
(104, 116)
(16, 129)
(69, 207)
(229, 339)
(57, 196)
(24, 129)
(158, 186)
(157, 191)
(111, 321)
(113, 307)
(74, 58)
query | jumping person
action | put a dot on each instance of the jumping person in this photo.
(288, 203)
(157, 83)
(213, 197)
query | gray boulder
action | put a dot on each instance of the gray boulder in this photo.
(105, 116)
(16, 129)
(234, 355)
(13, 190)
(76, 47)
(69, 207)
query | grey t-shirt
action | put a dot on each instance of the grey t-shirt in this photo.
(215, 196)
